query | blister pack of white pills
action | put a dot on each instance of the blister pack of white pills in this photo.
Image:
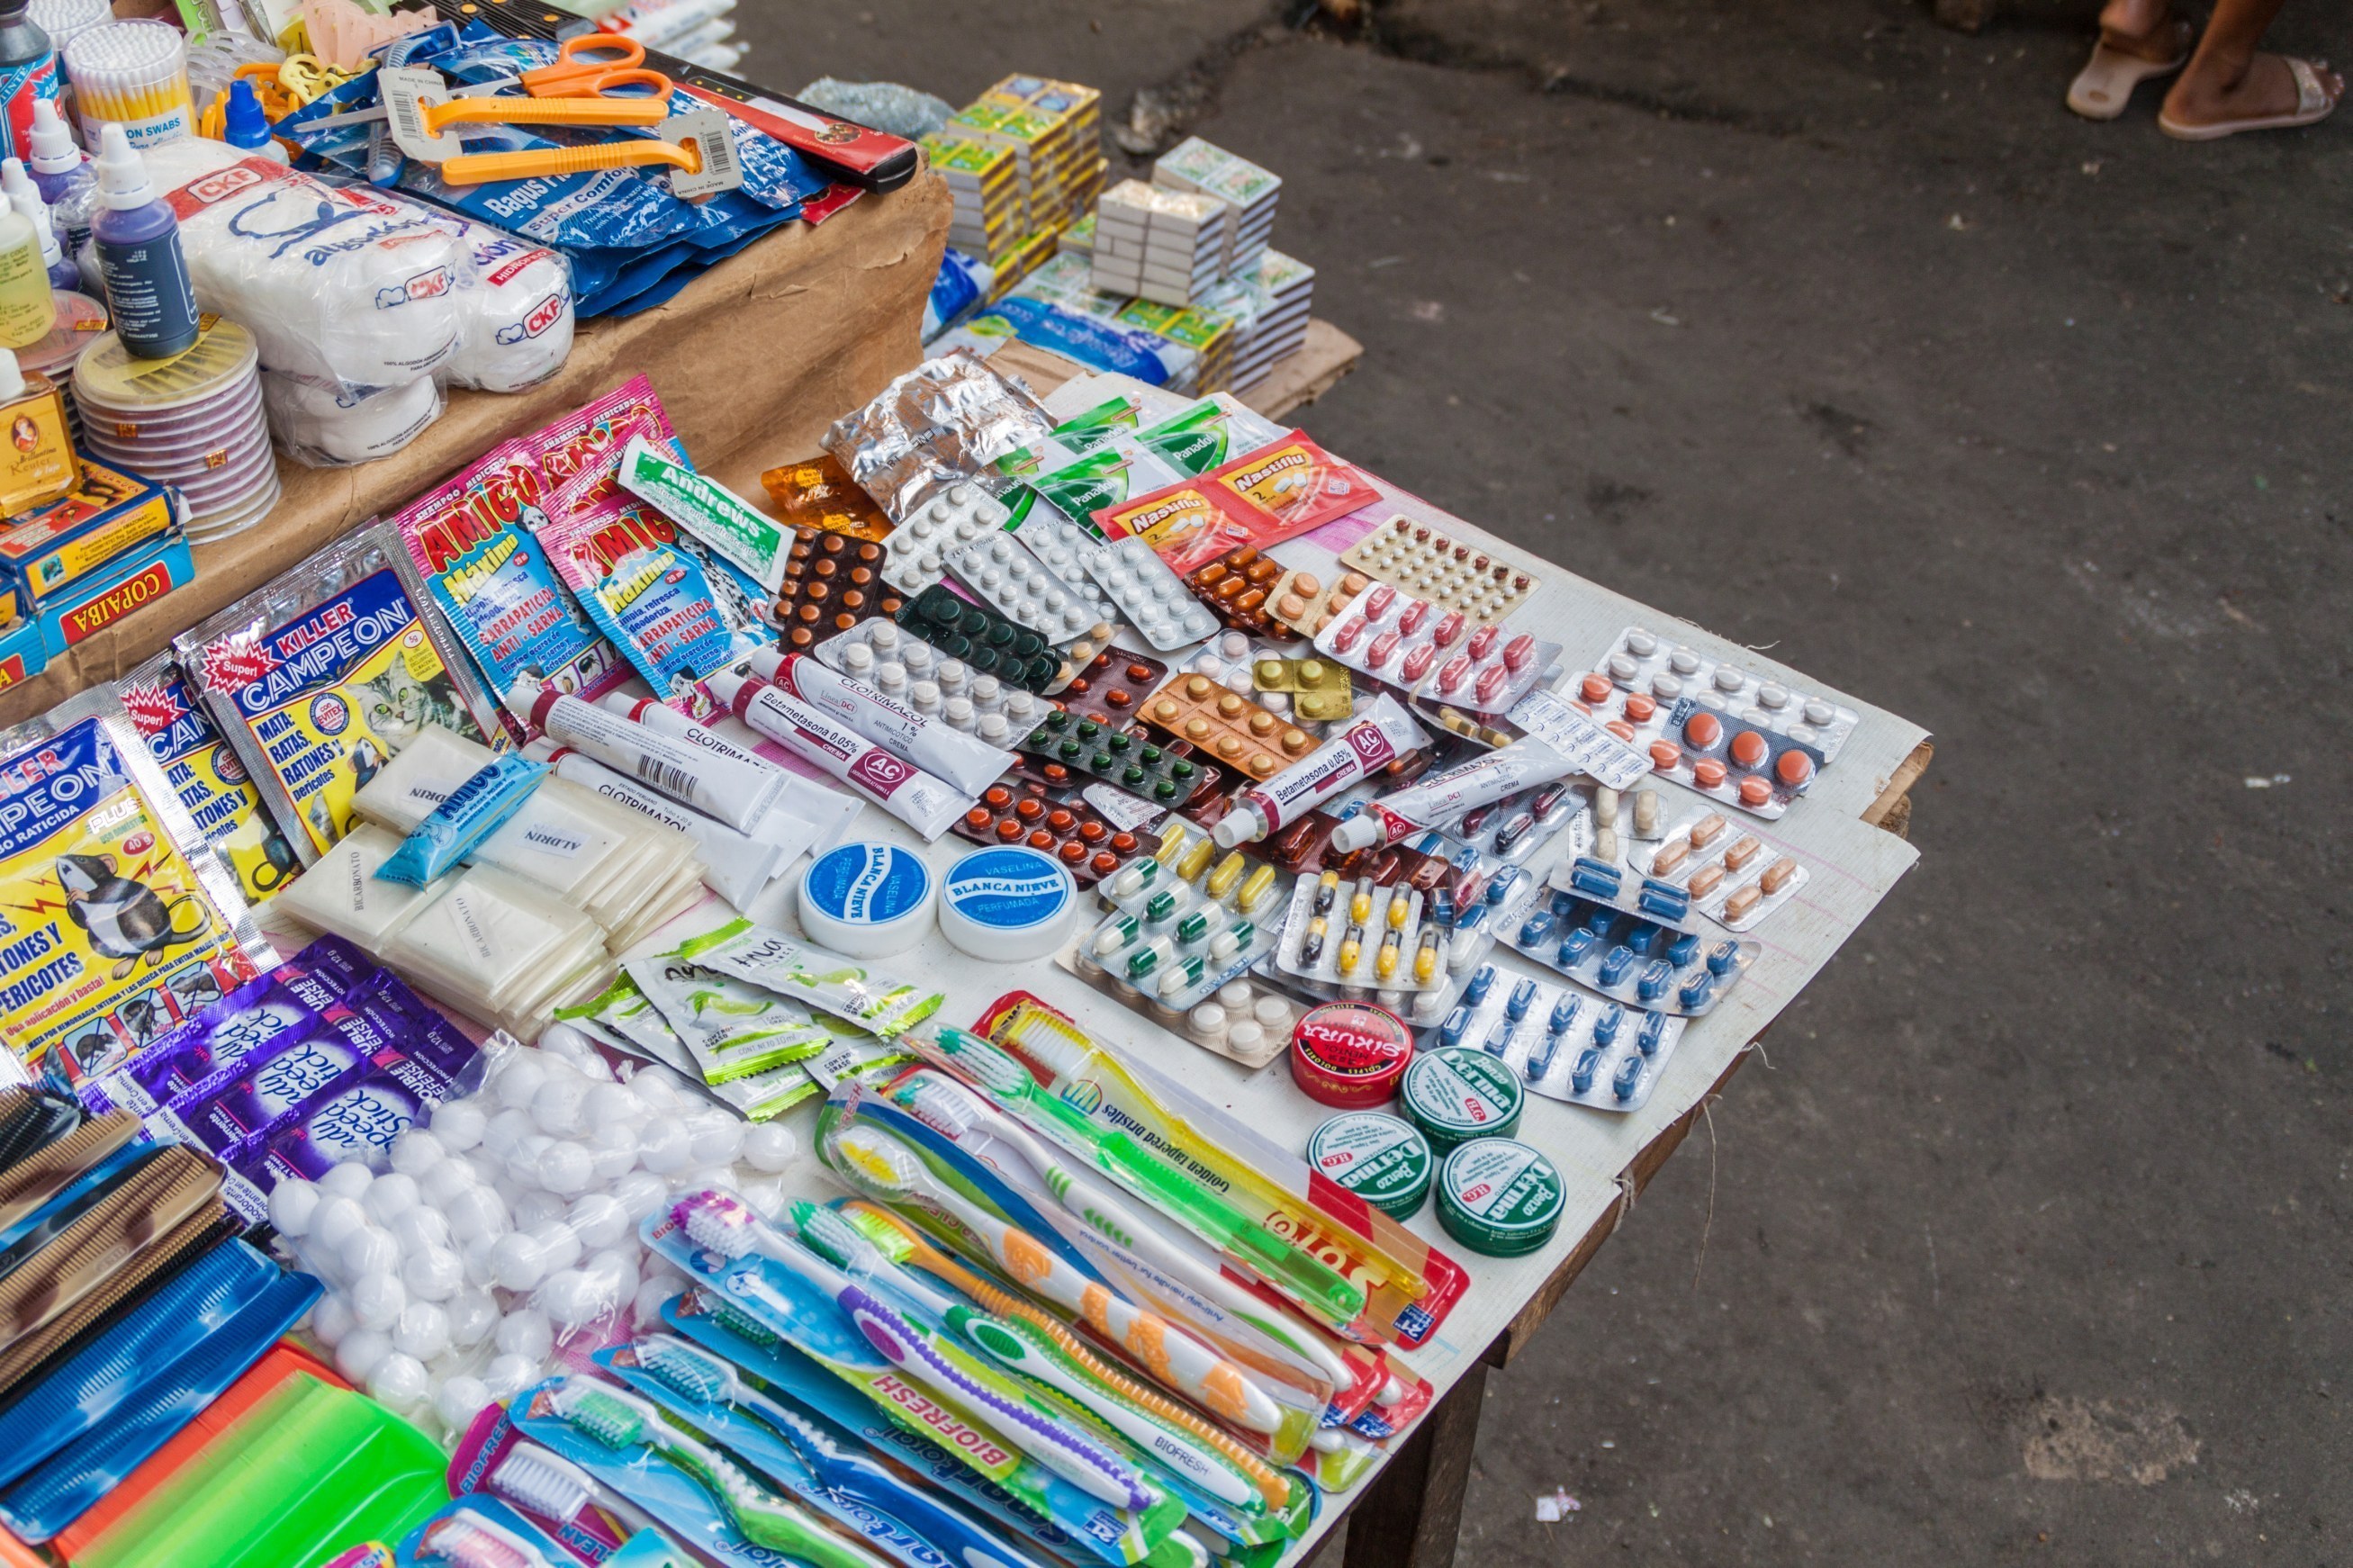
(1624, 956)
(1732, 877)
(1150, 595)
(917, 550)
(908, 670)
(1563, 1042)
(1472, 578)
(1361, 939)
(1003, 570)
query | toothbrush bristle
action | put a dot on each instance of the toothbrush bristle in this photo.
(724, 1314)
(876, 1163)
(600, 1415)
(984, 1060)
(717, 1223)
(881, 1229)
(681, 1367)
(540, 1482)
(827, 1235)
(939, 1105)
(467, 1540)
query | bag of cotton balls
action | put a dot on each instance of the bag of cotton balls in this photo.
(503, 1239)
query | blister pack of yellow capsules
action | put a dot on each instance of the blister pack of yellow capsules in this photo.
(117, 919)
(208, 776)
(321, 678)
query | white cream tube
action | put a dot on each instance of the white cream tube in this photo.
(737, 793)
(783, 825)
(925, 803)
(734, 866)
(1440, 797)
(1365, 747)
(970, 765)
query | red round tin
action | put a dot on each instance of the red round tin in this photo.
(1350, 1054)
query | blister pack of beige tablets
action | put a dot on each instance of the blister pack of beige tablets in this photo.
(1732, 877)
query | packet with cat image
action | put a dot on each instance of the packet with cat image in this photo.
(322, 675)
(118, 919)
(209, 777)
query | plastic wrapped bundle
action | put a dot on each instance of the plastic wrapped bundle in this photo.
(515, 311)
(354, 286)
(885, 105)
(326, 424)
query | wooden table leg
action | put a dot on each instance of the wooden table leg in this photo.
(1411, 1511)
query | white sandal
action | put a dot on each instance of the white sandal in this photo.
(2105, 85)
(2313, 105)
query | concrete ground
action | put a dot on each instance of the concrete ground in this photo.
(1835, 332)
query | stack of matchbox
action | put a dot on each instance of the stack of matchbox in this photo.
(1249, 192)
(990, 216)
(1023, 159)
(1270, 305)
(1161, 245)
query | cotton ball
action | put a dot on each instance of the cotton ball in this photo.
(617, 1266)
(348, 1180)
(573, 1297)
(567, 1168)
(335, 1221)
(293, 1204)
(509, 1375)
(443, 1183)
(710, 1179)
(377, 1300)
(567, 1042)
(415, 1151)
(519, 1078)
(476, 1213)
(597, 1219)
(361, 1350)
(609, 1105)
(368, 1251)
(536, 1207)
(399, 1383)
(716, 1139)
(460, 1400)
(390, 1195)
(595, 1068)
(505, 1132)
(766, 1198)
(331, 1320)
(557, 1245)
(557, 1107)
(433, 1274)
(423, 1330)
(458, 1125)
(652, 1296)
(473, 1315)
(481, 1258)
(612, 1152)
(639, 1194)
(422, 1228)
(657, 1086)
(771, 1147)
(525, 1332)
(664, 1147)
(518, 1262)
(523, 1162)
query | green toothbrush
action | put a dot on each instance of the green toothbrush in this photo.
(1150, 1176)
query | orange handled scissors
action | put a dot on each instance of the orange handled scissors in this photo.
(594, 66)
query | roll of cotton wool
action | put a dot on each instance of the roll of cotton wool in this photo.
(328, 426)
(356, 286)
(515, 316)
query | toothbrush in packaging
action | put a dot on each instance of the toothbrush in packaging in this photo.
(727, 1227)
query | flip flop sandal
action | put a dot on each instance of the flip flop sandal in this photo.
(2313, 105)
(2105, 85)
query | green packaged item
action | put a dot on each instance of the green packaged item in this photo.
(880, 1004)
(1378, 1158)
(733, 1029)
(1500, 1198)
(1454, 1095)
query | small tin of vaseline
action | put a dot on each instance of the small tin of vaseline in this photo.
(1460, 1093)
(1499, 1197)
(1350, 1055)
(1007, 904)
(867, 901)
(1378, 1158)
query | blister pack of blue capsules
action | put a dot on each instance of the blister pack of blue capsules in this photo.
(1563, 1042)
(1622, 954)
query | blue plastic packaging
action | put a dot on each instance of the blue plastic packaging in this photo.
(473, 811)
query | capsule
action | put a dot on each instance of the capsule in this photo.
(1541, 1057)
(1254, 889)
(1655, 979)
(1653, 1034)
(1192, 928)
(1480, 984)
(1628, 1074)
(1548, 800)
(1576, 947)
(1475, 821)
(1536, 928)
(1645, 938)
(1196, 858)
(1588, 1062)
(1311, 946)
(1524, 997)
(1664, 901)
(1616, 964)
(1724, 958)
(1457, 1024)
(1564, 1017)
(1328, 892)
(1181, 977)
(1500, 887)
(1352, 948)
(1385, 964)
(1425, 957)
(1512, 832)
(1162, 907)
(1693, 995)
(1145, 960)
(1136, 879)
(1228, 872)
(1607, 1023)
(1499, 1039)
(1683, 950)
(1400, 911)
(1593, 880)
(1441, 908)
(1232, 939)
(1360, 906)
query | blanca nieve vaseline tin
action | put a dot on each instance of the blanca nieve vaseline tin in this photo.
(1007, 904)
(867, 901)
(1460, 1093)
(1378, 1158)
(1350, 1055)
(1499, 1197)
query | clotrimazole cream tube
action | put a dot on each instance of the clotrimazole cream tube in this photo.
(1361, 750)
(781, 825)
(737, 793)
(734, 866)
(970, 765)
(1442, 798)
(928, 804)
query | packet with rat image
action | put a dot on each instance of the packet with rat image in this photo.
(322, 675)
(209, 777)
(118, 919)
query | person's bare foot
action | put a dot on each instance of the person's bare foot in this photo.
(2261, 87)
(2146, 29)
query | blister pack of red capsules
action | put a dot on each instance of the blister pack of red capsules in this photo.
(1712, 726)
(589, 440)
(1436, 655)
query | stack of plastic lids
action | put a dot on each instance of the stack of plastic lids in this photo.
(81, 319)
(194, 422)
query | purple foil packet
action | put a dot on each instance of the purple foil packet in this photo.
(361, 1118)
(279, 1083)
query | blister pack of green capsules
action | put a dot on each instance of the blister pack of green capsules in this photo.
(320, 677)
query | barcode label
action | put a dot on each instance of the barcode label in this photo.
(666, 778)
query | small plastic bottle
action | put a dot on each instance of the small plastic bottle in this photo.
(26, 197)
(63, 176)
(42, 466)
(28, 73)
(27, 309)
(243, 124)
(148, 291)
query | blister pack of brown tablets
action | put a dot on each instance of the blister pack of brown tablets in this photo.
(1319, 690)
(1115, 685)
(1238, 588)
(1226, 726)
(1306, 602)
